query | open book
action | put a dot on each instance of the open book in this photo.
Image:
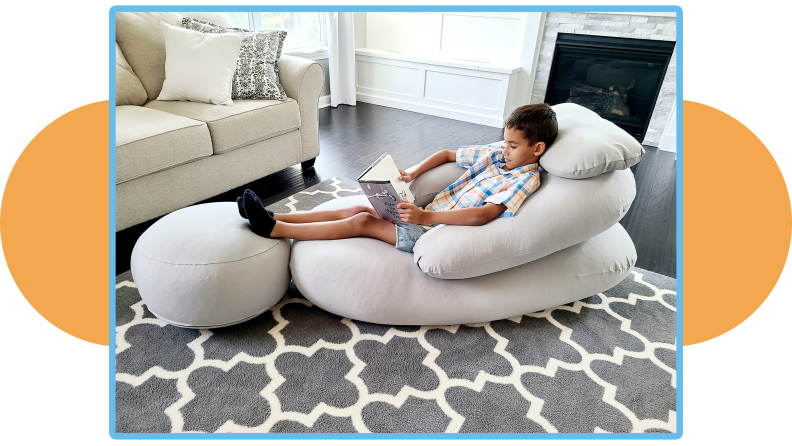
(381, 184)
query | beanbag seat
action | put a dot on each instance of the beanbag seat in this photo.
(369, 280)
(202, 267)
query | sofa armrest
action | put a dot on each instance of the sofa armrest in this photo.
(303, 81)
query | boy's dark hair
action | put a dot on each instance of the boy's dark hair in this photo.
(536, 121)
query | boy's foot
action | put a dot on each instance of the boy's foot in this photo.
(242, 209)
(260, 220)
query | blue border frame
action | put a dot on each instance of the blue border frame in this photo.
(394, 8)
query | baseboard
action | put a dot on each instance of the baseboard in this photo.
(429, 110)
(324, 101)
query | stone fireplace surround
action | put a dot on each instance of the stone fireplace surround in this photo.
(614, 25)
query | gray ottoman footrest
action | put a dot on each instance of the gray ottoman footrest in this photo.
(202, 267)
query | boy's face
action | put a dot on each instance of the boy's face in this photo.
(518, 151)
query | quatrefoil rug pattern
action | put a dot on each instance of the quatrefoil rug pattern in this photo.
(603, 364)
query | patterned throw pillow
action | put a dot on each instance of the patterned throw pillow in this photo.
(256, 75)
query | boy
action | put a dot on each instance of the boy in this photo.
(498, 179)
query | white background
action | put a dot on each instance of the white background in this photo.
(55, 59)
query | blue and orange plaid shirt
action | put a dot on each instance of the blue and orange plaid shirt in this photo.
(487, 181)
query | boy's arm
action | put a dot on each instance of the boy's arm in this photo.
(409, 213)
(438, 158)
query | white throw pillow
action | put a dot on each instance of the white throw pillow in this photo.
(199, 67)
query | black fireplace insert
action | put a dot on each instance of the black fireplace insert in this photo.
(618, 78)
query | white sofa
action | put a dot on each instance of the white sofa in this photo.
(173, 154)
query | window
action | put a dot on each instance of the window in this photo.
(304, 29)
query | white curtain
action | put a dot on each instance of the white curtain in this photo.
(341, 49)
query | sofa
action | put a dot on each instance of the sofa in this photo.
(171, 154)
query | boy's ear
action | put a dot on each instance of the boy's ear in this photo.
(539, 149)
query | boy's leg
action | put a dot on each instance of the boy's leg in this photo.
(319, 216)
(309, 216)
(362, 224)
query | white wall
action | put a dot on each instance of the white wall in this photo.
(473, 36)
(360, 29)
(531, 41)
(471, 66)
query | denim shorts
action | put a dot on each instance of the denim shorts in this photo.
(407, 235)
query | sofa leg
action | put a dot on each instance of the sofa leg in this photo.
(308, 164)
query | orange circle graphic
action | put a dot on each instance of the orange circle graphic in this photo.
(737, 223)
(54, 222)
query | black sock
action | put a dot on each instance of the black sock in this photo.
(242, 209)
(260, 220)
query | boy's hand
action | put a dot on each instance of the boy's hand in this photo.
(410, 213)
(406, 177)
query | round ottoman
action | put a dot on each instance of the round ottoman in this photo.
(202, 267)
(369, 280)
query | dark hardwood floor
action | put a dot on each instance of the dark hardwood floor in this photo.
(351, 138)
(651, 220)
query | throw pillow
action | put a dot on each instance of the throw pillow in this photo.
(256, 75)
(199, 67)
(129, 90)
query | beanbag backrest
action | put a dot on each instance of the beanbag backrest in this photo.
(560, 214)
(587, 145)
(432, 182)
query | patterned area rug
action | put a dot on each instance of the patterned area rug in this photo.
(603, 364)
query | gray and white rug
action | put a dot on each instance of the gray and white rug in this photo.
(603, 364)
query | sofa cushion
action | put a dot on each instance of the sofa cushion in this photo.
(142, 41)
(245, 122)
(148, 141)
(129, 90)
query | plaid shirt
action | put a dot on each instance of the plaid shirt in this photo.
(486, 181)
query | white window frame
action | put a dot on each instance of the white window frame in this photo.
(255, 25)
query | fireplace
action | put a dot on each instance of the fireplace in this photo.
(618, 78)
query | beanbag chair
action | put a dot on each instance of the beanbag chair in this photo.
(564, 243)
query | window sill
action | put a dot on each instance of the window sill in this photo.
(315, 53)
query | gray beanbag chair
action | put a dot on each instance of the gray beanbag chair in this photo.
(563, 244)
